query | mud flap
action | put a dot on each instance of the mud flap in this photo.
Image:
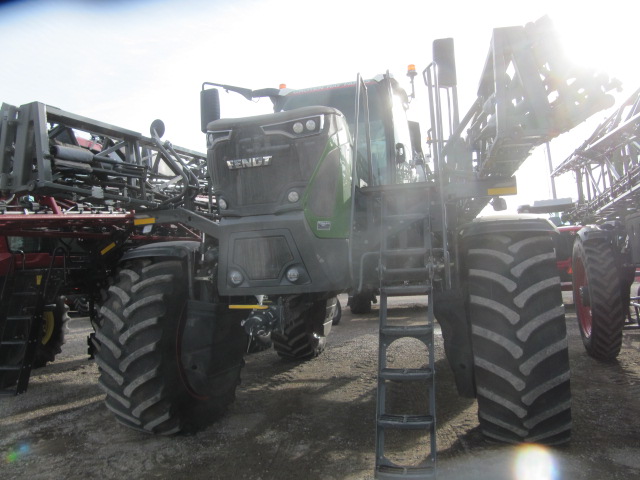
(450, 311)
(211, 348)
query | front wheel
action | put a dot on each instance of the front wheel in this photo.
(360, 303)
(519, 340)
(597, 297)
(139, 352)
(307, 322)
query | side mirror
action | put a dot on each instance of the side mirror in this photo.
(499, 204)
(416, 136)
(401, 155)
(444, 57)
(209, 107)
(157, 128)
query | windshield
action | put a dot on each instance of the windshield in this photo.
(387, 125)
(342, 97)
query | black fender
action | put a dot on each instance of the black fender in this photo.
(507, 223)
(449, 308)
(181, 249)
(589, 232)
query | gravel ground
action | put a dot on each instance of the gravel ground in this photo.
(312, 420)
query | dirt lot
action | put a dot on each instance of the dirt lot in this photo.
(310, 420)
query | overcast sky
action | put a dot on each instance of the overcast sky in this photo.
(129, 62)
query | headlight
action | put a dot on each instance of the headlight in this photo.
(296, 128)
(222, 203)
(293, 274)
(293, 196)
(235, 277)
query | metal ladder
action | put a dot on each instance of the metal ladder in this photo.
(405, 268)
(21, 317)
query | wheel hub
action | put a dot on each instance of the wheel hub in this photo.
(585, 296)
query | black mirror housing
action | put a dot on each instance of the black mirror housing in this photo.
(209, 107)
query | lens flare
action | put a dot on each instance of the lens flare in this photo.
(534, 462)
(15, 454)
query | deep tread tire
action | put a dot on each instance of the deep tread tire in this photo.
(54, 328)
(303, 336)
(360, 303)
(518, 330)
(601, 316)
(137, 352)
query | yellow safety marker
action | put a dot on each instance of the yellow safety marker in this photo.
(144, 221)
(502, 191)
(107, 248)
(248, 307)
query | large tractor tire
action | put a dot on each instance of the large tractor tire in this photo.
(51, 338)
(597, 296)
(307, 322)
(54, 325)
(360, 303)
(518, 333)
(138, 351)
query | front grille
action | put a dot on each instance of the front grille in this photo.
(256, 161)
(262, 258)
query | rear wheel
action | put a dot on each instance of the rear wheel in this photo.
(360, 303)
(139, 352)
(307, 324)
(597, 296)
(53, 330)
(518, 332)
(337, 316)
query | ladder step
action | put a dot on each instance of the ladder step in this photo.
(407, 273)
(24, 294)
(392, 471)
(406, 252)
(406, 374)
(12, 343)
(19, 318)
(10, 368)
(407, 331)
(405, 289)
(404, 217)
(406, 422)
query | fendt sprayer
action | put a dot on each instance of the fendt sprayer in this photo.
(606, 250)
(331, 193)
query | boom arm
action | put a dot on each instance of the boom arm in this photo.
(528, 94)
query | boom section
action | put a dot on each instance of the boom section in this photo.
(607, 167)
(47, 151)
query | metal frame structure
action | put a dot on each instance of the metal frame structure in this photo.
(607, 168)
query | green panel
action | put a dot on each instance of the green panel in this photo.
(327, 200)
